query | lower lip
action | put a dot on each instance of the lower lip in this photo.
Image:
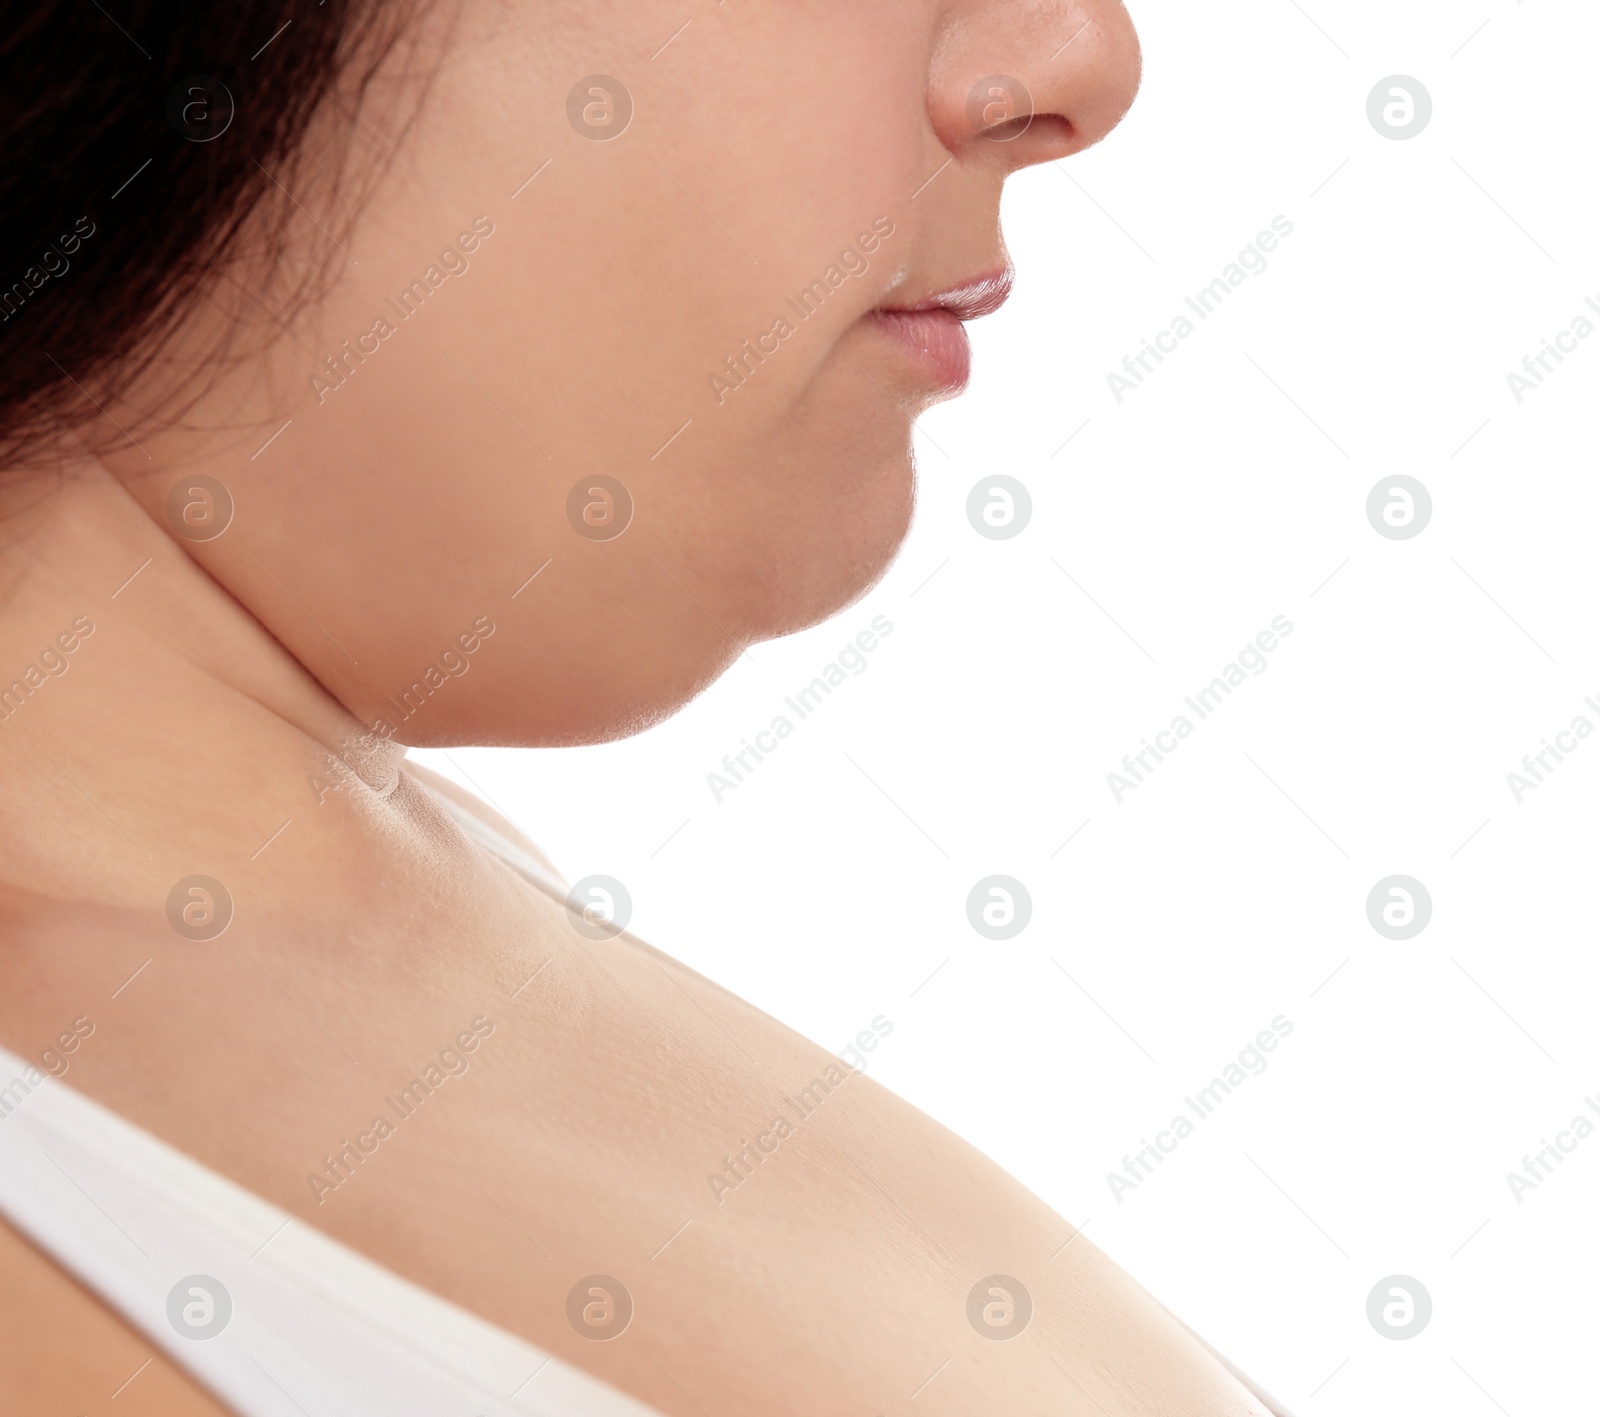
(935, 339)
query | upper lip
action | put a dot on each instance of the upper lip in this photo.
(970, 300)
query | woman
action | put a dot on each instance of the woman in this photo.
(476, 373)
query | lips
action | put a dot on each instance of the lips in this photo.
(932, 329)
(971, 300)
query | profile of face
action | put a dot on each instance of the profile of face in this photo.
(627, 334)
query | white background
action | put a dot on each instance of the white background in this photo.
(1230, 887)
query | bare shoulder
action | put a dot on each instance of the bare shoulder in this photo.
(784, 1234)
(777, 1232)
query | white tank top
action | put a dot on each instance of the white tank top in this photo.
(270, 1314)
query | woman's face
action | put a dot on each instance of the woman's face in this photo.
(624, 274)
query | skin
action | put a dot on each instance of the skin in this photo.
(232, 685)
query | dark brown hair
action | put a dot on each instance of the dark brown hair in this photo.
(137, 142)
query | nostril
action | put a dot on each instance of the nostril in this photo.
(1005, 132)
(1040, 137)
(1049, 128)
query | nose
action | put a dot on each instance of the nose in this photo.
(1018, 82)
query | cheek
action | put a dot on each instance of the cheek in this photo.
(629, 272)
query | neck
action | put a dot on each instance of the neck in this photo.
(155, 733)
(150, 728)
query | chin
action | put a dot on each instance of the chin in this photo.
(580, 701)
(813, 555)
(833, 555)
(575, 723)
